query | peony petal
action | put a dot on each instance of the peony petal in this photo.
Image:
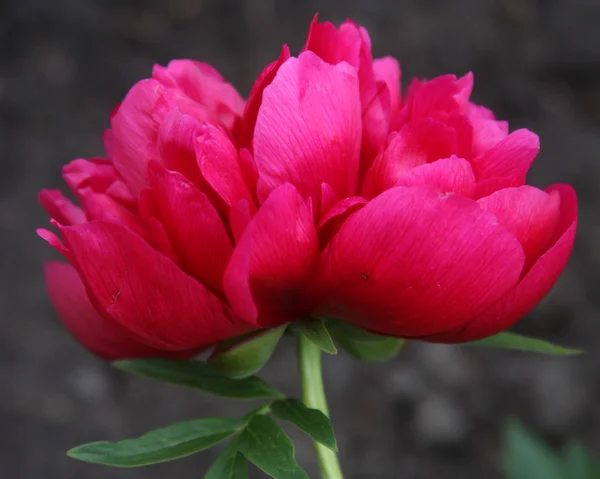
(448, 176)
(53, 240)
(193, 226)
(217, 160)
(273, 261)
(351, 44)
(208, 70)
(99, 206)
(487, 132)
(417, 143)
(387, 69)
(158, 238)
(60, 208)
(507, 163)
(131, 144)
(445, 93)
(176, 143)
(255, 99)
(464, 134)
(239, 219)
(530, 214)
(376, 126)
(324, 40)
(205, 86)
(144, 291)
(328, 199)
(101, 336)
(177, 140)
(156, 234)
(464, 88)
(532, 288)
(355, 49)
(412, 262)
(308, 128)
(100, 176)
(249, 171)
(334, 218)
(102, 193)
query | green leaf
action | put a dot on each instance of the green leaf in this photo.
(517, 342)
(267, 446)
(364, 345)
(578, 464)
(230, 464)
(161, 445)
(526, 457)
(199, 375)
(248, 356)
(316, 331)
(310, 421)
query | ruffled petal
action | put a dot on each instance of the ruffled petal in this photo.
(218, 162)
(255, 99)
(532, 288)
(387, 70)
(193, 226)
(99, 335)
(412, 262)
(144, 291)
(132, 143)
(529, 213)
(99, 176)
(308, 128)
(448, 176)
(507, 163)
(417, 143)
(203, 84)
(176, 145)
(445, 93)
(273, 261)
(61, 208)
(487, 132)
(331, 222)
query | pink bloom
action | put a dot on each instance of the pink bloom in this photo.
(324, 194)
(150, 243)
(453, 245)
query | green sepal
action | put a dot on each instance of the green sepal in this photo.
(363, 344)
(248, 356)
(316, 331)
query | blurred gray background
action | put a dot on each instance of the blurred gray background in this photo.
(436, 411)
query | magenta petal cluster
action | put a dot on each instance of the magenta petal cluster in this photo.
(326, 193)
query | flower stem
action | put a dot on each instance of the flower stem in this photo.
(313, 395)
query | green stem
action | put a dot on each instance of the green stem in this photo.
(313, 395)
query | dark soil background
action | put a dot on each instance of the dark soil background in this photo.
(436, 411)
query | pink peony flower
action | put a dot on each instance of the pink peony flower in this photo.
(324, 194)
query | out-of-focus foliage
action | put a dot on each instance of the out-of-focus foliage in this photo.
(526, 456)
